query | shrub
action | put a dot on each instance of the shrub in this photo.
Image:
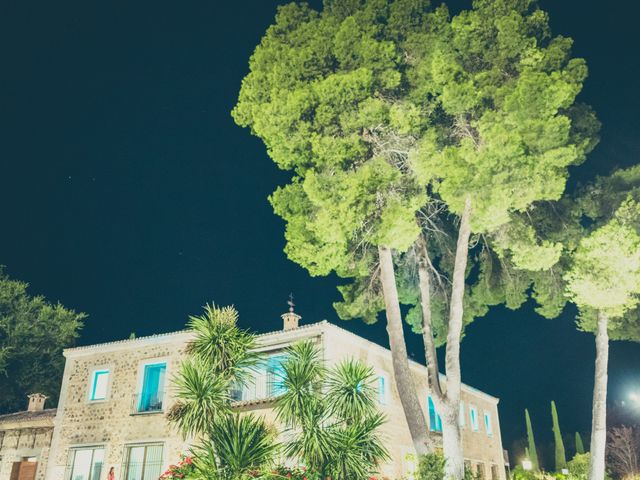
(289, 473)
(184, 469)
(579, 467)
(430, 467)
(520, 473)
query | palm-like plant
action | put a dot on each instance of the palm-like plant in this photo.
(332, 415)
(226, 349)
(201, 398)
(221, 355)
(238, 446)
(350, 394)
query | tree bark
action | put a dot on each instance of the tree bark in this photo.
(451, 438)
(599, 413)
(401, 371)
(424, 284)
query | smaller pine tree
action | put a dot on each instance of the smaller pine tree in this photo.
(579, 444)
(561, 458)
(533, 453)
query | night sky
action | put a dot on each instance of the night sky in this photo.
(128, 193)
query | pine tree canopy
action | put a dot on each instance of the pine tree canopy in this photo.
(392, 114)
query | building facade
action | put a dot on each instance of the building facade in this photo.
(25, 438)
(115, 396)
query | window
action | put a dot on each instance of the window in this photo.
(276, 375)
(487, 423)
(99, 384)
(494, 472)
(152, 392)
(473, 411)
(462, 420)
(382, 390)
(85, 463)
(435, 422)
(143, 462)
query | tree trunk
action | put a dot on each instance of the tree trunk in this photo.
(451, 438)
(424, 283)
(599, 413)
(401, 371)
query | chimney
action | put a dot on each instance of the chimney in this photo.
(290, 319)
(36, 402)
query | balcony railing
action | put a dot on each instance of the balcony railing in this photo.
(141, 404)
(260, 386)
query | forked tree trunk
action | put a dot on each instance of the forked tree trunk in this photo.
(401, 371)
(448, 403)
(599, 413)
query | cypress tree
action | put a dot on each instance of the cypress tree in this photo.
(579, 444)
(533, 453)
(561, 459)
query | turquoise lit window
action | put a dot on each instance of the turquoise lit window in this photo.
(152, 393)
(473, 411)
(487, 423)
(276, 375)
(382, 390)
(99, 384)
(435, 422)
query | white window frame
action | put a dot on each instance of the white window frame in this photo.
(127, 456)
(141, 367)
(71, 456)
(488, 425)
(384, 398)
(475, 425)
(92, 381)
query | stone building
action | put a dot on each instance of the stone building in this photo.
(114, 399)
(25, 438)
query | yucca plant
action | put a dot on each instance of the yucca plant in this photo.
(237, 448)
(331, 414)
(201, 398)
(225, 348)
(221, 355)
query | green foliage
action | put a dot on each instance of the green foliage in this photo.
(332, 415)
(202, 398)
(237, 447)
(289, 473)
(579, 444)
(533, 452)
(519, 473)
(233, 446)
(220, 355)
(431, 467)
(579, 467)
(33, 333)
(606, 270)
(227, 350)
(560, 457)
(390, 114)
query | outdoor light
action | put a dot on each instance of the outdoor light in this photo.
(633, 396)
(526, 464)
(565, 471)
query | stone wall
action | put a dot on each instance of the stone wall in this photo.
(112, 423)
(20, 443)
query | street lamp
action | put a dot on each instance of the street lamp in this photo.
(526, 464)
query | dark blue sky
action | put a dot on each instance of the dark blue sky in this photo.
(128, 193)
